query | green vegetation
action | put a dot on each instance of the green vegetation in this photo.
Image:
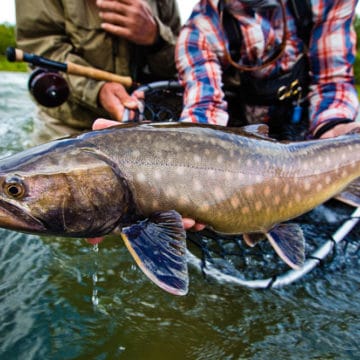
(7, 38)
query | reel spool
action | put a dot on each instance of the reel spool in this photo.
(48, 88)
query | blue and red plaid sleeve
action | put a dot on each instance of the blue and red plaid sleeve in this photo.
(200, 59)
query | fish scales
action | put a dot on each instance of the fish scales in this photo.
(233, 183)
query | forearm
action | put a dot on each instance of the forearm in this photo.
(332, 51)
(200, 72)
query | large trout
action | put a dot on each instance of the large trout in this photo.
(139, 179)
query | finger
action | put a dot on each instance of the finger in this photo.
(122, 32)
(138, 94)
(119, 7)
(199, 227)
(100, 123)
(188, 223)
(94, 241)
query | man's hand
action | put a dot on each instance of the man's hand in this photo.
(341, 129)
(129, 19)
(114, 99)
(189, 224)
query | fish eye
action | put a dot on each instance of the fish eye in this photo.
(14, 188)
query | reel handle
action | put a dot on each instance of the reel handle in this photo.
(13, 54)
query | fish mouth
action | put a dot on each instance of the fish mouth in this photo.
(14, 218)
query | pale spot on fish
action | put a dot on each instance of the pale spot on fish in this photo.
(307, 185)
(197, 158)
(249, 191)
(204, 208)
(182, 200)
(344, 173)
(249, 162)
(245, 210)
(258, 178)
(319, 187)
(141, 177)
(305, 166)
(197, 185)
(180, 170)
(228, 175)
(327, 179)
(267, 191)
(170, 192)
(286, 189)
(277, 200)
(157, 175)
(258, 205)
(235, 202)
(135, 153)
(219, 159)
(219, 193)
(240, 176)
(298, 197)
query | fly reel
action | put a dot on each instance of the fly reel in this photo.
(48, 87)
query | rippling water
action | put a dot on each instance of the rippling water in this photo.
(63, 299)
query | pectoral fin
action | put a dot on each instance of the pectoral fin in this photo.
(289, 243)
(351, 194)
(158, 245)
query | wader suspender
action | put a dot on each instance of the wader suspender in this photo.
(287, 89)
(301, 10)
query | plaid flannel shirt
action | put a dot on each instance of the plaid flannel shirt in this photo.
(200, 57)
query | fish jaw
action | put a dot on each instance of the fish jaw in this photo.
(14, 218)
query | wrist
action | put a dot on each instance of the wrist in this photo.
(323, 128)
(158, 41)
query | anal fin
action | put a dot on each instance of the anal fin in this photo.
(289, 243)
(158, 245)
(351, 194)
(252, 239)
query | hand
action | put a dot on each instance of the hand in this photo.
(341, 129)
(114, 99)
(189, 224)
(129, 19)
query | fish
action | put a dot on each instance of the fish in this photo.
(142, 179)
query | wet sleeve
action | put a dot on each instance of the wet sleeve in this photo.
(200, 72)
(332, 53)
(161, 55)
(40, 29)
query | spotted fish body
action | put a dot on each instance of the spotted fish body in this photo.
(233, 183)
(139, 178)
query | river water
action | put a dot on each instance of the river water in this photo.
(65, 299)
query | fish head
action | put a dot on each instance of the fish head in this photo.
(61, 189)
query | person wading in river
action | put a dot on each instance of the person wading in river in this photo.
(134, 38)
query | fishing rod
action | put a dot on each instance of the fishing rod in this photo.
(48, 87)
